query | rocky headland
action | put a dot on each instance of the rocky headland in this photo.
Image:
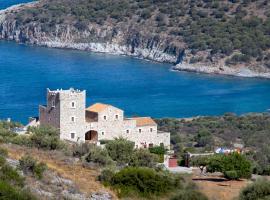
(40, 23)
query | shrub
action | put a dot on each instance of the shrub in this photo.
(11, 176)
(9, 192)
(232, 175)
(144, 182)
(39, 169)
(29, 165)
(120, 150)
(98, 156)
(258, 190)
(3, 152)
(160, 151)
(143, 158)
(45, 137)
(106, 176)
(2, 161)
(189, 195)
(233, 166)
(81, 149)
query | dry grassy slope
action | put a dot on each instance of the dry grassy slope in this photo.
(84, 179)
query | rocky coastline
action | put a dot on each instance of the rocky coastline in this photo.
(107, 40)
(222, 70)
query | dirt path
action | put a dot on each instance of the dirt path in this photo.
(84, 179)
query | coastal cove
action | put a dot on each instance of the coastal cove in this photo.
(139, 87)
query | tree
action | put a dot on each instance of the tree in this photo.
(233, 166)
(143, 158)
(98, 156)
(120, 150)
(204, 138)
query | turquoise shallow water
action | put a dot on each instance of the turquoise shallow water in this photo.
(139, 87)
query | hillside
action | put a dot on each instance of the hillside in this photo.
(228, 37)
(207, 133)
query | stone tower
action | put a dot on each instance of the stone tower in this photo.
(65, 110)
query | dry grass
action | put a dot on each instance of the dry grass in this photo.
(218, 188)
(84, 179)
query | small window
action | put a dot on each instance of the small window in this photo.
(151, 130)
(140, 130)
(104, 117)
(73, 119)
(53, 104)
(116, 116)
(127, 131)
(102, 133)
(73, 105)
(72, 135)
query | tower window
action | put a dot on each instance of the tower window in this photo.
(151, 130)
(140, 130)
(53, 103)
(104, 117)
(116, 116)
(127, 131)
(72, 135)
(73, 105)
(73, 119)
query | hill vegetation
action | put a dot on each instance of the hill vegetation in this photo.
(207, 133)
(205, 31)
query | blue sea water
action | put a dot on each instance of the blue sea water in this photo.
(137, 86)
(6, 3)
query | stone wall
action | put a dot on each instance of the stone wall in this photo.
(72, 117)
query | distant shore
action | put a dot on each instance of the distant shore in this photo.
(66, 41)
(224, 70)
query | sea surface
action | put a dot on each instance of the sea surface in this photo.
(6, 3)
(139, 87)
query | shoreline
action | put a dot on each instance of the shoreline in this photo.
(154, 54)
(224, 70)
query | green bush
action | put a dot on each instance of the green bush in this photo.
(160, 151)
(106, 176)
(189, 195)
(46, 137)
(143, 158)
(258, 190)
(81, 149)
(9, 192)
(2, 161)
(30, 165)
(3, 152)
(98, 156)
(232, 175)
(144, 182)
(11, 176)
(120, 150)
(39, 169)
(233, 165)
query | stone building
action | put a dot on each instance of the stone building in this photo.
(66, 110)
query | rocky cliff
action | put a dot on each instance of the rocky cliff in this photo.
(96, 38)
(139, 30)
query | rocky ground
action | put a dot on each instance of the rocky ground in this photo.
(223, 70)
(65, 178)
